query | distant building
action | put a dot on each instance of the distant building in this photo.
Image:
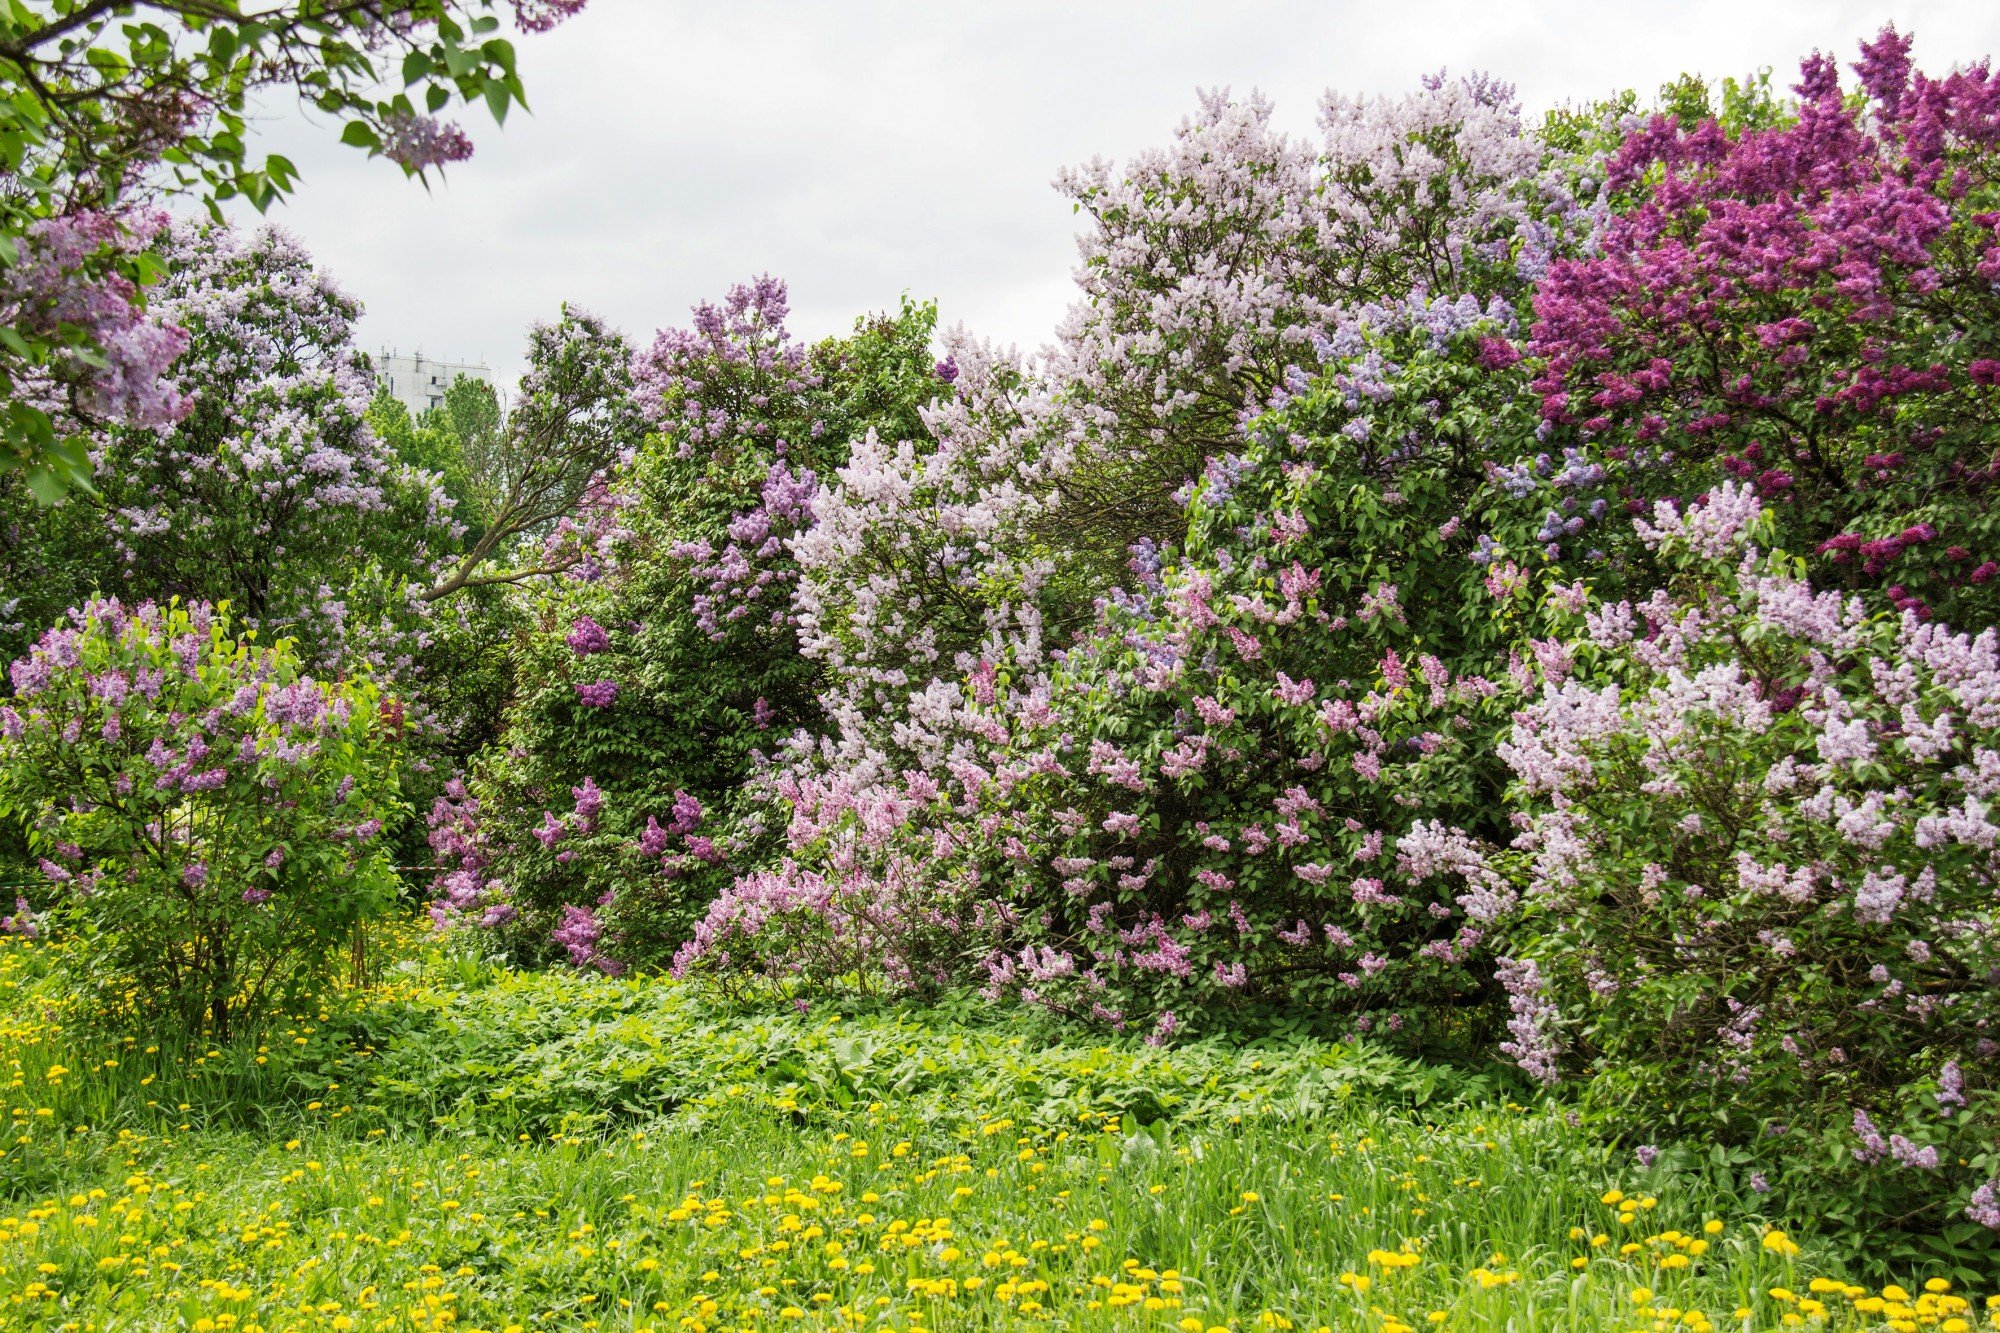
(419, 381)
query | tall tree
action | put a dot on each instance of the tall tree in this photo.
(272, 491)
(541, 480)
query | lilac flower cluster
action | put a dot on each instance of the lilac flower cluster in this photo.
(420, 143)
(67, 278)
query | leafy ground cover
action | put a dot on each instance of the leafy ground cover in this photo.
(460, 1147)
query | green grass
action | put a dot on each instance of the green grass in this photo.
(478, 1150)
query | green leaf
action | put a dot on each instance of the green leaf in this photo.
(47, 485)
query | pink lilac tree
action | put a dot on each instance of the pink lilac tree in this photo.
(1807, 307)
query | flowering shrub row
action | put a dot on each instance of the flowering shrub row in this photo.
(1450, 578)
(1440, 696)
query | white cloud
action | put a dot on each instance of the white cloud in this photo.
(869, 147)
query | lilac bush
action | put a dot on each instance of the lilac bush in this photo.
(1805, 305)
(1072, 770)
(205, 813)
(664, 673)
(1211, 270)
(1263, 777)
(1760, 889)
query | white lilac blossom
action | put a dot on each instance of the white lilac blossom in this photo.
(1714, 530)
(1532, 1042)
(271, 488)
(1869, 858)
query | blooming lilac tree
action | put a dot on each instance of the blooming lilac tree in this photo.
(941, 579)
(658, 679)
(270, 492)
(1808, 306)
(203, 808)
(1209, 269)
(1265, 773)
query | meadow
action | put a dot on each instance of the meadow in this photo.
(456, 1146)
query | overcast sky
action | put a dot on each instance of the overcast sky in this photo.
(863, 148)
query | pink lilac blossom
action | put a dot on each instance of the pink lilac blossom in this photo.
(582, 937)
(544, 15)
(61, 278)
(418, 143)
(1984, 1206)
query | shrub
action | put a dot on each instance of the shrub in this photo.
(1762, 889)
(1173, 792)
(205, 813)
(1211, 270)
(272, 492)
(654, 684)
(1264, 778)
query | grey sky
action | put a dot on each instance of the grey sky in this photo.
(862, 148)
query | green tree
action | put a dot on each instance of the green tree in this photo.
(428, 442)
(539, 478)
(473, 412)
